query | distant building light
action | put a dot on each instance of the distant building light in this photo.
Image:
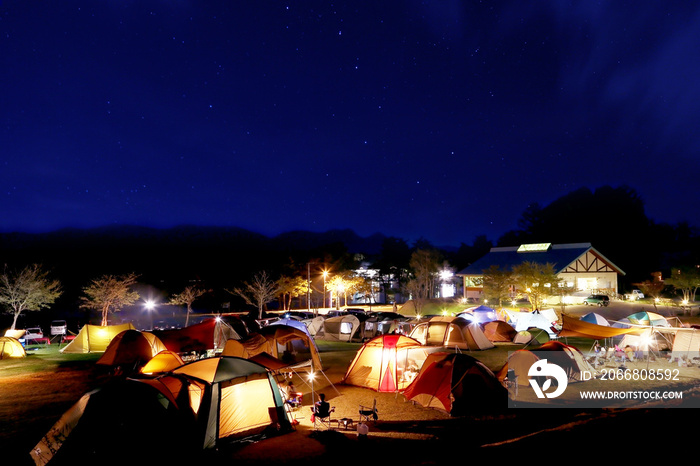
(534, 247)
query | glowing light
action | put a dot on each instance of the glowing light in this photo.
(536, 247)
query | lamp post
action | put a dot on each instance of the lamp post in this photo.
(339, 288)
(308, 287)
(325, 275)
(150, 306)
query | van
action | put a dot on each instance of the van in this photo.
(634, 295)
(59, 327)
(599, 299)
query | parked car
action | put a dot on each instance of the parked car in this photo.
(634, 295)
(33, 333)
(599, 299)
(59, 327)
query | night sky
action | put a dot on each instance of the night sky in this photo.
(440, 120)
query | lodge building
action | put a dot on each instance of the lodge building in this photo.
(580, 266)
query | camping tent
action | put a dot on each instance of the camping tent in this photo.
(278, 341)
(10, 347)
(523, 337)
(236, 398)
(453, 332)
(567, 357)
(293, 343)
(480, 314)
(544, 319)
(131, 348)
(498, 330)
(210, 334)
(315, 325)
(288, 321)
(648, 339)
(124, 421)
(164, 361)
(341, 328)
(648, 318)
(686, 345)
(386, 363)
(94, 338)
(595, 318)
(539, 335)
(456, 383)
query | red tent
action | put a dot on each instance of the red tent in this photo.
(385, 362)
(456, 383)
(207, 335)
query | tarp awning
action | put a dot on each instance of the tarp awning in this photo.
(572, 327)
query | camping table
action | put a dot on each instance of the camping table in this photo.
(345, 422)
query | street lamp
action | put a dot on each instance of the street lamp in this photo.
(325, 275)
(150, 306)
(340, 287)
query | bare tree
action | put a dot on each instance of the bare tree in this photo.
(110, 294)
(30, 289)
(258, 293)
(425, 264)
(186, 298)
(416, 291)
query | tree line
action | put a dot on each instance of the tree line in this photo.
(612, 219)
(33, 289)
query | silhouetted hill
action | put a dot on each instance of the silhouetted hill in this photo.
(167, 260)
(307, 241)
(178, 253)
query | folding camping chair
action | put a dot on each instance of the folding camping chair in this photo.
(367, 412)
(321, 415)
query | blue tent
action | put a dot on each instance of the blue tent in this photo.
(479, 314)
(648, 318)
(594, 318)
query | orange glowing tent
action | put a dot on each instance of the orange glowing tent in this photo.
(385, 362)
(164, 361)
(131, 347)
(10, 347)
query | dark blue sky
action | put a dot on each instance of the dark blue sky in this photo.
(440, 119)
